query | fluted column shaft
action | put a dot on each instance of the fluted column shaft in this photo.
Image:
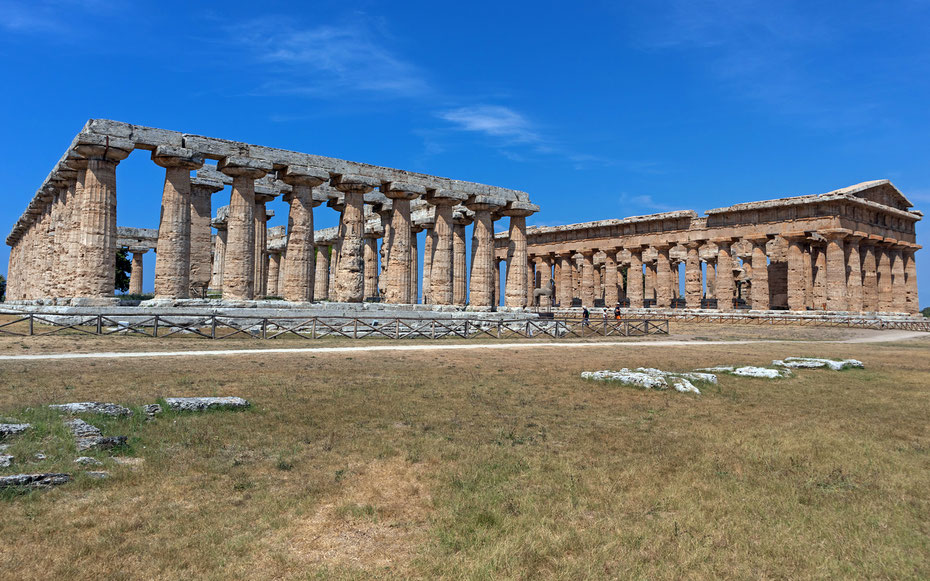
(219, 259)
(544, 267)
(260, 221)
(819, 277)
(300, 256)
(587, 278)
(429, 252)
(910, 282)
(458, 265)
(135, 275)
(760, 275)
(634, 279)
(481, 282)
(663, 278)
(899, 289)
(441, 265)
(398, 287)
(201, 235)
(885, 297)
(98, 229)
(239, 268)
(530, 282)
(836, 273)
(693, 286)
(565, 282)
(723, 284)
(370, 250)
(321, 278)
(350, 268)
(796, 285)
(853, 275)
(516, 263)
(274, 270)
(611, 288)
(869, 278)
(414, 268)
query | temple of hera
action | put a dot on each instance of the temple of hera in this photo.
(850, 250)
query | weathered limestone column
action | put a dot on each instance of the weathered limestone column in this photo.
(429, 251)
(516, 253)
(321, 278)
(201, 268)
(611, 287)
(544, 268)
(219, 248)
(576, 276)
(385, 211)
(530, 281)
(459, 266)
(274, 269)
(663, 277)
(796, 257)
(441, 266)
(869, 275)
(898, 287)
(910, 279)
(885, 296)
(497, 280)
(300, 269)
(598, 289)
(481, 290)
(239, 264)
(401, 256)
(557, 280)
(135, 275)
(760, 274)
(649, 281)
(819, 277)
(693, 285)
(711, 276)
(634, 277)
(587, 278)
(98, 212)
(566, 286)
(370, 251)
(414, 264)
(853, 273)
(723, 284)
(836, 269)
(350, 274)
(260, 220)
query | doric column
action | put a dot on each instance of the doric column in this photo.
(544, 268)
(414, 264)
(274, 270)
(819, 277)
(898, 287)
(693, 286)
(370, 249)
(596, 275)
(885, 297)
(440, 276)
(260, 220)
(397, 285)
(854, 273)
(516, 287)
(497, 280)
(869, 274)
(663, 277)
(711, 277)
(530, 281)
(72, 241)
(350, 274)
(459, 220)
(723, 283)
(611, 292)
(760, 274)
(429, 251)
(98, 212)
(219, 249)
(565, 284)
(239, 264)
(481, 290)
(634, 277)
(910, 279)
(300, 269)
(321, 277)
(796, 286)
(201, 269)
(836, 269)
(385, 211)
(135, 275)
(173, 252)
(587, 278)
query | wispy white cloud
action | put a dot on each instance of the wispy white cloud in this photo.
(493, 120)
(643, 204)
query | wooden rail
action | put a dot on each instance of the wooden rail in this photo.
(736, 317)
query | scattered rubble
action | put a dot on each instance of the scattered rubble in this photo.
(649, 378)
(750, 371)
(816, 362)
(41, 480)
(92, 407)
(199, 404)
(6, 461)
(88, 436)
(151, 410)
(97, 474)
(13, 429)
(88, 461)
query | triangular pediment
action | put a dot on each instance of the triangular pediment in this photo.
(879, 191)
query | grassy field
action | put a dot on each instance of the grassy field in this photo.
(482, 465)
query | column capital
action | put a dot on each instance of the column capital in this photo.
(443, 197)
(834, 233)
(353, 183)
(103, 147)
(172, 156)
(206, 185)
(795, 235)
(723, 240)
(247, 167)
(482, 202)
(463, 217)
(402, 190)
(516, 208)
(693, 244)
(303, 175)
(759, 239)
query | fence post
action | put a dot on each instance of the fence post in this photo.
(155, 329)
(213, 326)
(397, 328)
(498, 329)
(99, 324)
(31, 315)
(432, 329)
(264, 328)
(313, 329)
(466, 328)
(355, 329)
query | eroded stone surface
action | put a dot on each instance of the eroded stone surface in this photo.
(13, 429)
(93, 407)
(41, 480)
(87, 461)
(6, 460)
(650, 378)
(814, 363)
(87, 436)
(198, 404)
(151, 409)
(749, 371)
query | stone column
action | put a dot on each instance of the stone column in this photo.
(497, 280)
(723, 284)
(566, 285)
(694, 288)
(401, 254)
(853, 274)
(516, 256)
(836, 270)
(869, 275)
(885, 296)
(760, 274)
(530, 281)
(634, 278)
(663, 277)
(321, 277)
(201, 268)
(370, 249)
(898, 287)
(649, 281)
(818, 277)
(482, 285)
(429, 251)
(98, 212)
(219, 255)
(796, 257)
(72, 241)
(596, 275)
(414, 264)
(611, 286)
(274, 269)
(239, 264)
(260, 220)
(459, 221)
(910, 280)
(441, 265)
(544, 267)
(587, 278)
(711, 276)
(350, 269)
(135, 275)
(300, 272)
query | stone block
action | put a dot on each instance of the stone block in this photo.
(109, 127)
(42, 480)
(199, 404)
(92, 407)
(151, 137)
(213, 148)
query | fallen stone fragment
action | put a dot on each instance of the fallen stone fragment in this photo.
(39, 456)
(87, 461)
(151, 409)
(199, 404)
(41, 480)
(92, 407)
(97, 474)
(87, 436)
(650, 378)
(6, 461)
(816, 362)
(750, 371)
(13, 429)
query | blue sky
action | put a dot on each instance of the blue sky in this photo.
(598, 110)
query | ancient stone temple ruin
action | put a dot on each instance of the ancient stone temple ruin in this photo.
(849, 250)
(64, 245)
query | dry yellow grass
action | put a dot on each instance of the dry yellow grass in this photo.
(489, 465)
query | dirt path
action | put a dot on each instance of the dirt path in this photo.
(878, 337)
